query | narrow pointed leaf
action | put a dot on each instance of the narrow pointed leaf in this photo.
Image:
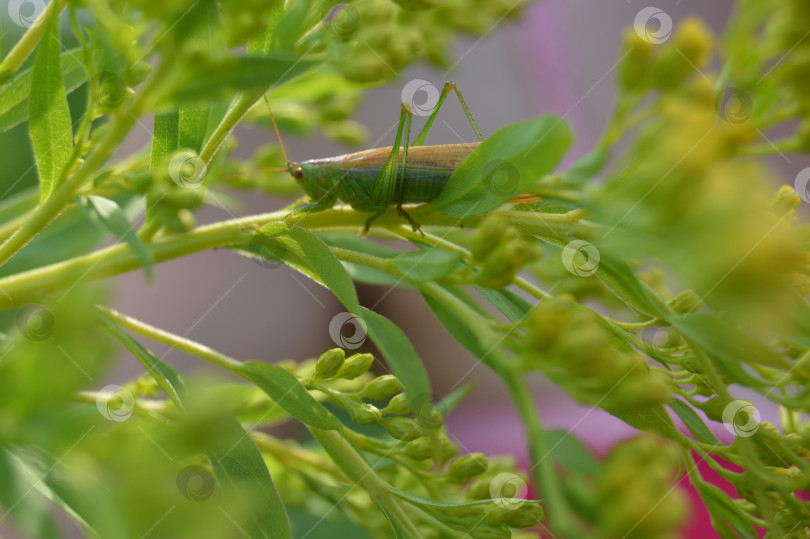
(106, 214)
(49, 116)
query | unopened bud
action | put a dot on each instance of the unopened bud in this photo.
(398, 405)
(468, 466)
(382, 387)
(355, 365)
(329, 363)
(401, 428)
(365, 414)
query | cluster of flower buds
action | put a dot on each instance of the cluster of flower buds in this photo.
(635, 494)
(574, 348)
(500, 250)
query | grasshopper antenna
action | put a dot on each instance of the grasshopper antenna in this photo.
(278, 133)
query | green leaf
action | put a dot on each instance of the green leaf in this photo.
(28, 511)
(15, 95)
(49, 124)
(252, 498)
(427, 265)
(286, 390)
(106, 214)
(693, 422)
(620, 278)
(727, 347)
(165, 137)
(309, 254)
(398, 352)
(571, 452)
(653, 419)
(722, 507)
(513, 306)
(239, 73)
(586, 167)
(505, 165)
(466, 325)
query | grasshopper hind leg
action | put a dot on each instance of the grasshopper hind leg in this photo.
(401, 211)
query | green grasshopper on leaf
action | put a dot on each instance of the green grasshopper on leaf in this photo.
(372, 180)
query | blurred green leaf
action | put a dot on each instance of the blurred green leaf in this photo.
(251, 496)
(721, 506)
(106, 214)
(15, 95)
(235, 74)
(286, 390)
(693, 422)
(571, 452)
(505, 165)
(49, 124)
(620, 278)
(512, 305)
(427, 265)
(728, 347)
(25, 508)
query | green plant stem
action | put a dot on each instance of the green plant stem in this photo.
(548, 482)
(24, 287)
(360, 472)
(294, 456)
(105, 148)
(175, 341)
(25, 46)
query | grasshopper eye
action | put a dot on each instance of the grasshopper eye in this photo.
(298, 173)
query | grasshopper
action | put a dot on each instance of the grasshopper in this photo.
(373, 180)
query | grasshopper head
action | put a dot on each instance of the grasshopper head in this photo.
(311, 178)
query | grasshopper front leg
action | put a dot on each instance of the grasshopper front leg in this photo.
(388, 185)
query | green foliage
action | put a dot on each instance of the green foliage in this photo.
(662, 272)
